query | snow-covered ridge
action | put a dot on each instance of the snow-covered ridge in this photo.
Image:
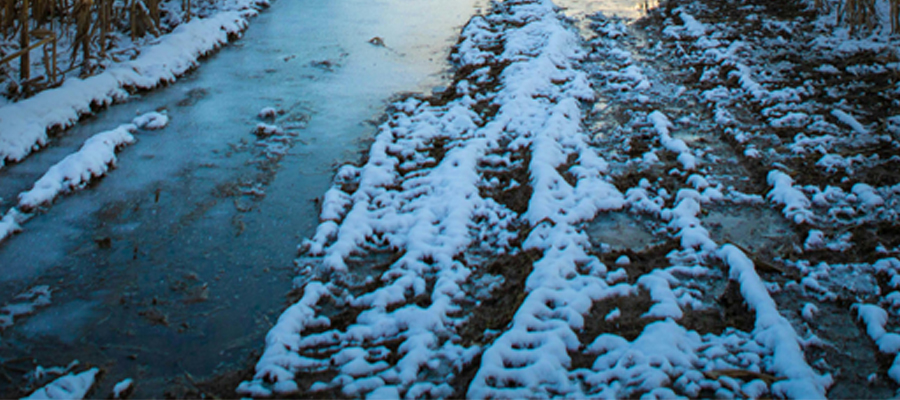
(72, 386)
(95, 158)
(24, 125)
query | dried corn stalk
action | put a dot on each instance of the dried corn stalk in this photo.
(858, 14)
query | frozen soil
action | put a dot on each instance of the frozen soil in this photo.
(737, 240)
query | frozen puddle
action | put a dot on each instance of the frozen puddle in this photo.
(617, 231)
(758, 228)
(187, 246)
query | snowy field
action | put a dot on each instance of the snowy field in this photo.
(702, 202)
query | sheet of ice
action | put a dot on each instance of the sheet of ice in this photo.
(69, 387)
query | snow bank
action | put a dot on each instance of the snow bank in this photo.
(69, 387)
(24, 125)
(92, 161)
(774, 331)
(75, 171)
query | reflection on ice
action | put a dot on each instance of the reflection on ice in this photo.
(632, 9)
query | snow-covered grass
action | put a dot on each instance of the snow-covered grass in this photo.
(24, 125)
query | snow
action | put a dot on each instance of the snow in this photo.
(10, 224)
(662, 125)
(809, 311)
(24, 125)
(875, 319)
(93, 160)
(121, 388)
(774, 331)
(151, 121)
(268, 112)
(427, 214)
(70, 387)
(848, 119)
(26, 303)
(397, 270)
(796, 204)
(615, 313)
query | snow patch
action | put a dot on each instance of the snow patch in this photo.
(29, 301)
(93, 160)
(69, 387)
